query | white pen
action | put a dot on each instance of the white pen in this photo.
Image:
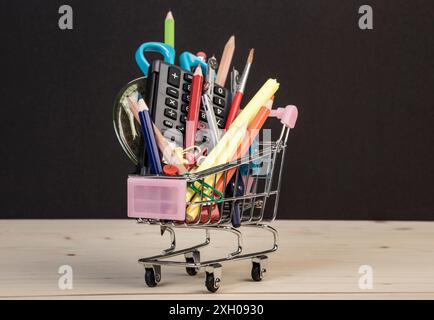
(235, 80)
(212, 122)
(211, 67)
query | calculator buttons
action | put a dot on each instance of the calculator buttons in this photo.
(219, 112)
(188, 77)
(168, 123)
(202, 116)
(187, 87)
(219, 101)
(172, 103)
(181, 129)
(186, 97)
(173, 77)
(174, 135)
(184, 108)
(170, 113)
(219, 91)
(172, 92)
(220, 123)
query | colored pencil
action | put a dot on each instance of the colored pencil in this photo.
(225, 62)
(164, 146)
(194, 108)
(168, 152)
(247, 141)
(169, 30)
(149, 138)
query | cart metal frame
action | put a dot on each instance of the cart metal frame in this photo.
(252, 207)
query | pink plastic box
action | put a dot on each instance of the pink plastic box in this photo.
(156, 198)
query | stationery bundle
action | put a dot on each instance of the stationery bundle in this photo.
(183, 121)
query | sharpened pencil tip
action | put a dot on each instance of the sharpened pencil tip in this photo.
(198, 71)
(251, 55)
(169, 15)
(142, 105)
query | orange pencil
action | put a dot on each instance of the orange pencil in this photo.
(247, 141)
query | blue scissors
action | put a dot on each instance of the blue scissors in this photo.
(187, 60)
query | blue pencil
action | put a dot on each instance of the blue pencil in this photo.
(149, 138)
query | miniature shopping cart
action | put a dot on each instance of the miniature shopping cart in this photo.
(160, 200)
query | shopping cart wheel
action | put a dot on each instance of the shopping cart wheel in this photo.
(152, 275)
(192, 257)
(213, 277)
(258, 267)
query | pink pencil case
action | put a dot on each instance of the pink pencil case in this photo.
(156, 198)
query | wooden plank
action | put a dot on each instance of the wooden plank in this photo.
(316, 259)
(250, 297)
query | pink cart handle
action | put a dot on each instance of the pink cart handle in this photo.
(287, 115)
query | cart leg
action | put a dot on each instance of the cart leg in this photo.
(213, 276)
(152, 275)
(172, 239)
(171, 253)
(192, 257)
(258, 267)
(270, 229)
(239, 239)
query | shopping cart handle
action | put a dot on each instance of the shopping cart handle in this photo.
(287, 115)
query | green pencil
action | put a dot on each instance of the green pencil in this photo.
(169, 30)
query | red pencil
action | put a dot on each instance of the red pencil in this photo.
(194, 108)
(240, 91)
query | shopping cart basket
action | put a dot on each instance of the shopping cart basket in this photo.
(160, 200)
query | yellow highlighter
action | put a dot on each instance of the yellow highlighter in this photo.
(230, 149)
(259, 100)
(224, 151)
(243, 119)
(215, 156)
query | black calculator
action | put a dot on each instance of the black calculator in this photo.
(168, 96)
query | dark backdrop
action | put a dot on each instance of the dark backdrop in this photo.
(363, 147)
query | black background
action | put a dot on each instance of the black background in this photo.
(363, 145)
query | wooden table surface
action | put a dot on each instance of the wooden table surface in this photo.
(316, 259)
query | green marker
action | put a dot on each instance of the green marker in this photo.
(169, 30)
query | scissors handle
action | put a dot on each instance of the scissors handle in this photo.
(188, 61)
(165, 50)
